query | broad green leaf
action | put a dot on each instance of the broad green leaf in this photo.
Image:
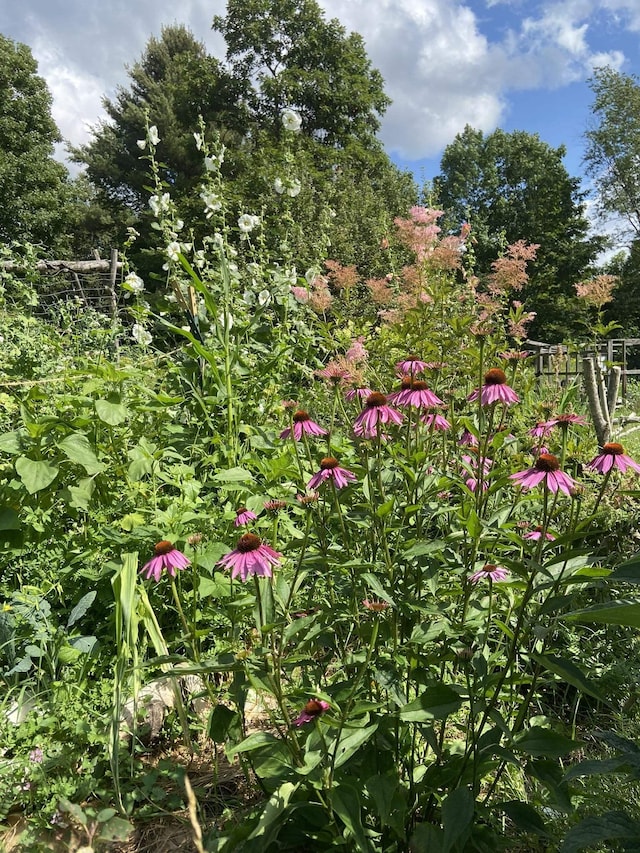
(233, 475)
(607, 827)
(84, 644)
(611, 613)
(272, 814)
(255, 741)
(457, 816)
(540, 741)
(436, 703)
(350, 744)
(345, 801)
(572, 674)
(525, 817)
(10, 442)
(81, 608)
(80, 495)
(111, 412)
(77, 449)
(628, 572)
(35, 475)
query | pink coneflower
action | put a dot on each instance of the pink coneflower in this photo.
(243, 516)
(419, 395)
(495, 389)
(376, 606)
(436, 421)
(311, 711)
(359, 393)
(565, 420)
(330, 470)
(489, 572)
(250, 557)
(302, 425)
(399, 393)
(515, 355)
(274, 505)
(166, 556)
(471, 462)
(541, 429)
(536, 534)
(546, 469)
(411, 365)
(612, 455)
(375, 412)
(468, 439)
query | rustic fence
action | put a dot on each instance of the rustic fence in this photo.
(74, 285)
(564, 363)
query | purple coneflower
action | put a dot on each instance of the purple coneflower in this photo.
(515, 354)
(411, 365)
(536, 534)
(398, 394)
(274, 505)
(612, 455)
(436, 421)
(491, 572)
(243, 516)
(330, 470)
(359, 393)
(250, 557)
(311, 711)
(495, 389)
(468, 439)
(166, 556)
(546, 469)
(471, 462)
(565, 420)
(541, 429)
(419, 395)
(375, 412)
(302, 425)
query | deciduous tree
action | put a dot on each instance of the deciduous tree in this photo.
(34, 188)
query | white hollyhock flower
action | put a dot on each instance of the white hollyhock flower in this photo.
(153, 135)
(294, 188)
(140, 335)
(278, 186)
(264, 298)
(173, 251)
(134, 282)
(291, 120)
(159, 204)
(141, 143)
(247, 222)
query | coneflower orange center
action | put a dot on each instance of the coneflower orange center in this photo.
(300, 416)
(419, 385)
(313, 707)
(612, 448)
(248, 542)
(376, 399)
(240, 510)
(547, 462)
(406, 383)
(163, 547)
(328, 463)
(495, 376)
(489, 567)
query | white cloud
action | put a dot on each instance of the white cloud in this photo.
(446, 63)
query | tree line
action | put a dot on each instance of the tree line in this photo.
(333, 191)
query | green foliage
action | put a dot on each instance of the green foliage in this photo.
(513, 186)
(34, 190)
(613, 148)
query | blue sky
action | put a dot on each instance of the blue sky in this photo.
(515, 64)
